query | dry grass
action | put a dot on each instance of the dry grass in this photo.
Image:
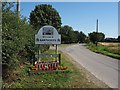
(114, 48)
(109, 44)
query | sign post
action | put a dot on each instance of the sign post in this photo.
(56, 50)
(48, 35)
(39, 52)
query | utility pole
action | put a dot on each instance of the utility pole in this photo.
(97, 32)
(18, 9)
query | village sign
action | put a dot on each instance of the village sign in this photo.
(47, 35)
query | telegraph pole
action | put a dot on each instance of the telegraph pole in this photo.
(18, 9)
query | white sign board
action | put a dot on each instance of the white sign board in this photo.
(47, 35)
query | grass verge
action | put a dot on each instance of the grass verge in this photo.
(111, 51)
(73, 78)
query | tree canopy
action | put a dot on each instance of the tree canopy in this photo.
(68, 35)
(96, 37)
(82, 37)
(45, 15)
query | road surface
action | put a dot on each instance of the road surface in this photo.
(102, 67)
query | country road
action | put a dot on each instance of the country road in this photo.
(102, 67)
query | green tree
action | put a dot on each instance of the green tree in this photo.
(71, 36)
(67, 34)
(15, 37)
(45, 15)
(76, 37)
(96, 37)
(82, 37)
(87, 39)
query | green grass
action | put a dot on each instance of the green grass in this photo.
(72, 78)
(49, 58)
(105, 50)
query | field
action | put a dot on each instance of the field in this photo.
(109, 49)
(72, 78)
(109, 44)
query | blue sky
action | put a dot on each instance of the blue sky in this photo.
(82, 16)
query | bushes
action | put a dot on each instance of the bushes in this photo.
(17, 40)
(15, 35)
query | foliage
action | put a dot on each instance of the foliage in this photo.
(16, 35)
(7, 5)
(87, 40)
(64, 33)
(77, 36)
(45, 15)
(82, 37)
(96, 37)
(70, 36)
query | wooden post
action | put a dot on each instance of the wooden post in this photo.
(18, 9)
(56, 51)
(39, 52)
(59, 59)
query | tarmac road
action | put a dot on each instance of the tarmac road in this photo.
(102, 67)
